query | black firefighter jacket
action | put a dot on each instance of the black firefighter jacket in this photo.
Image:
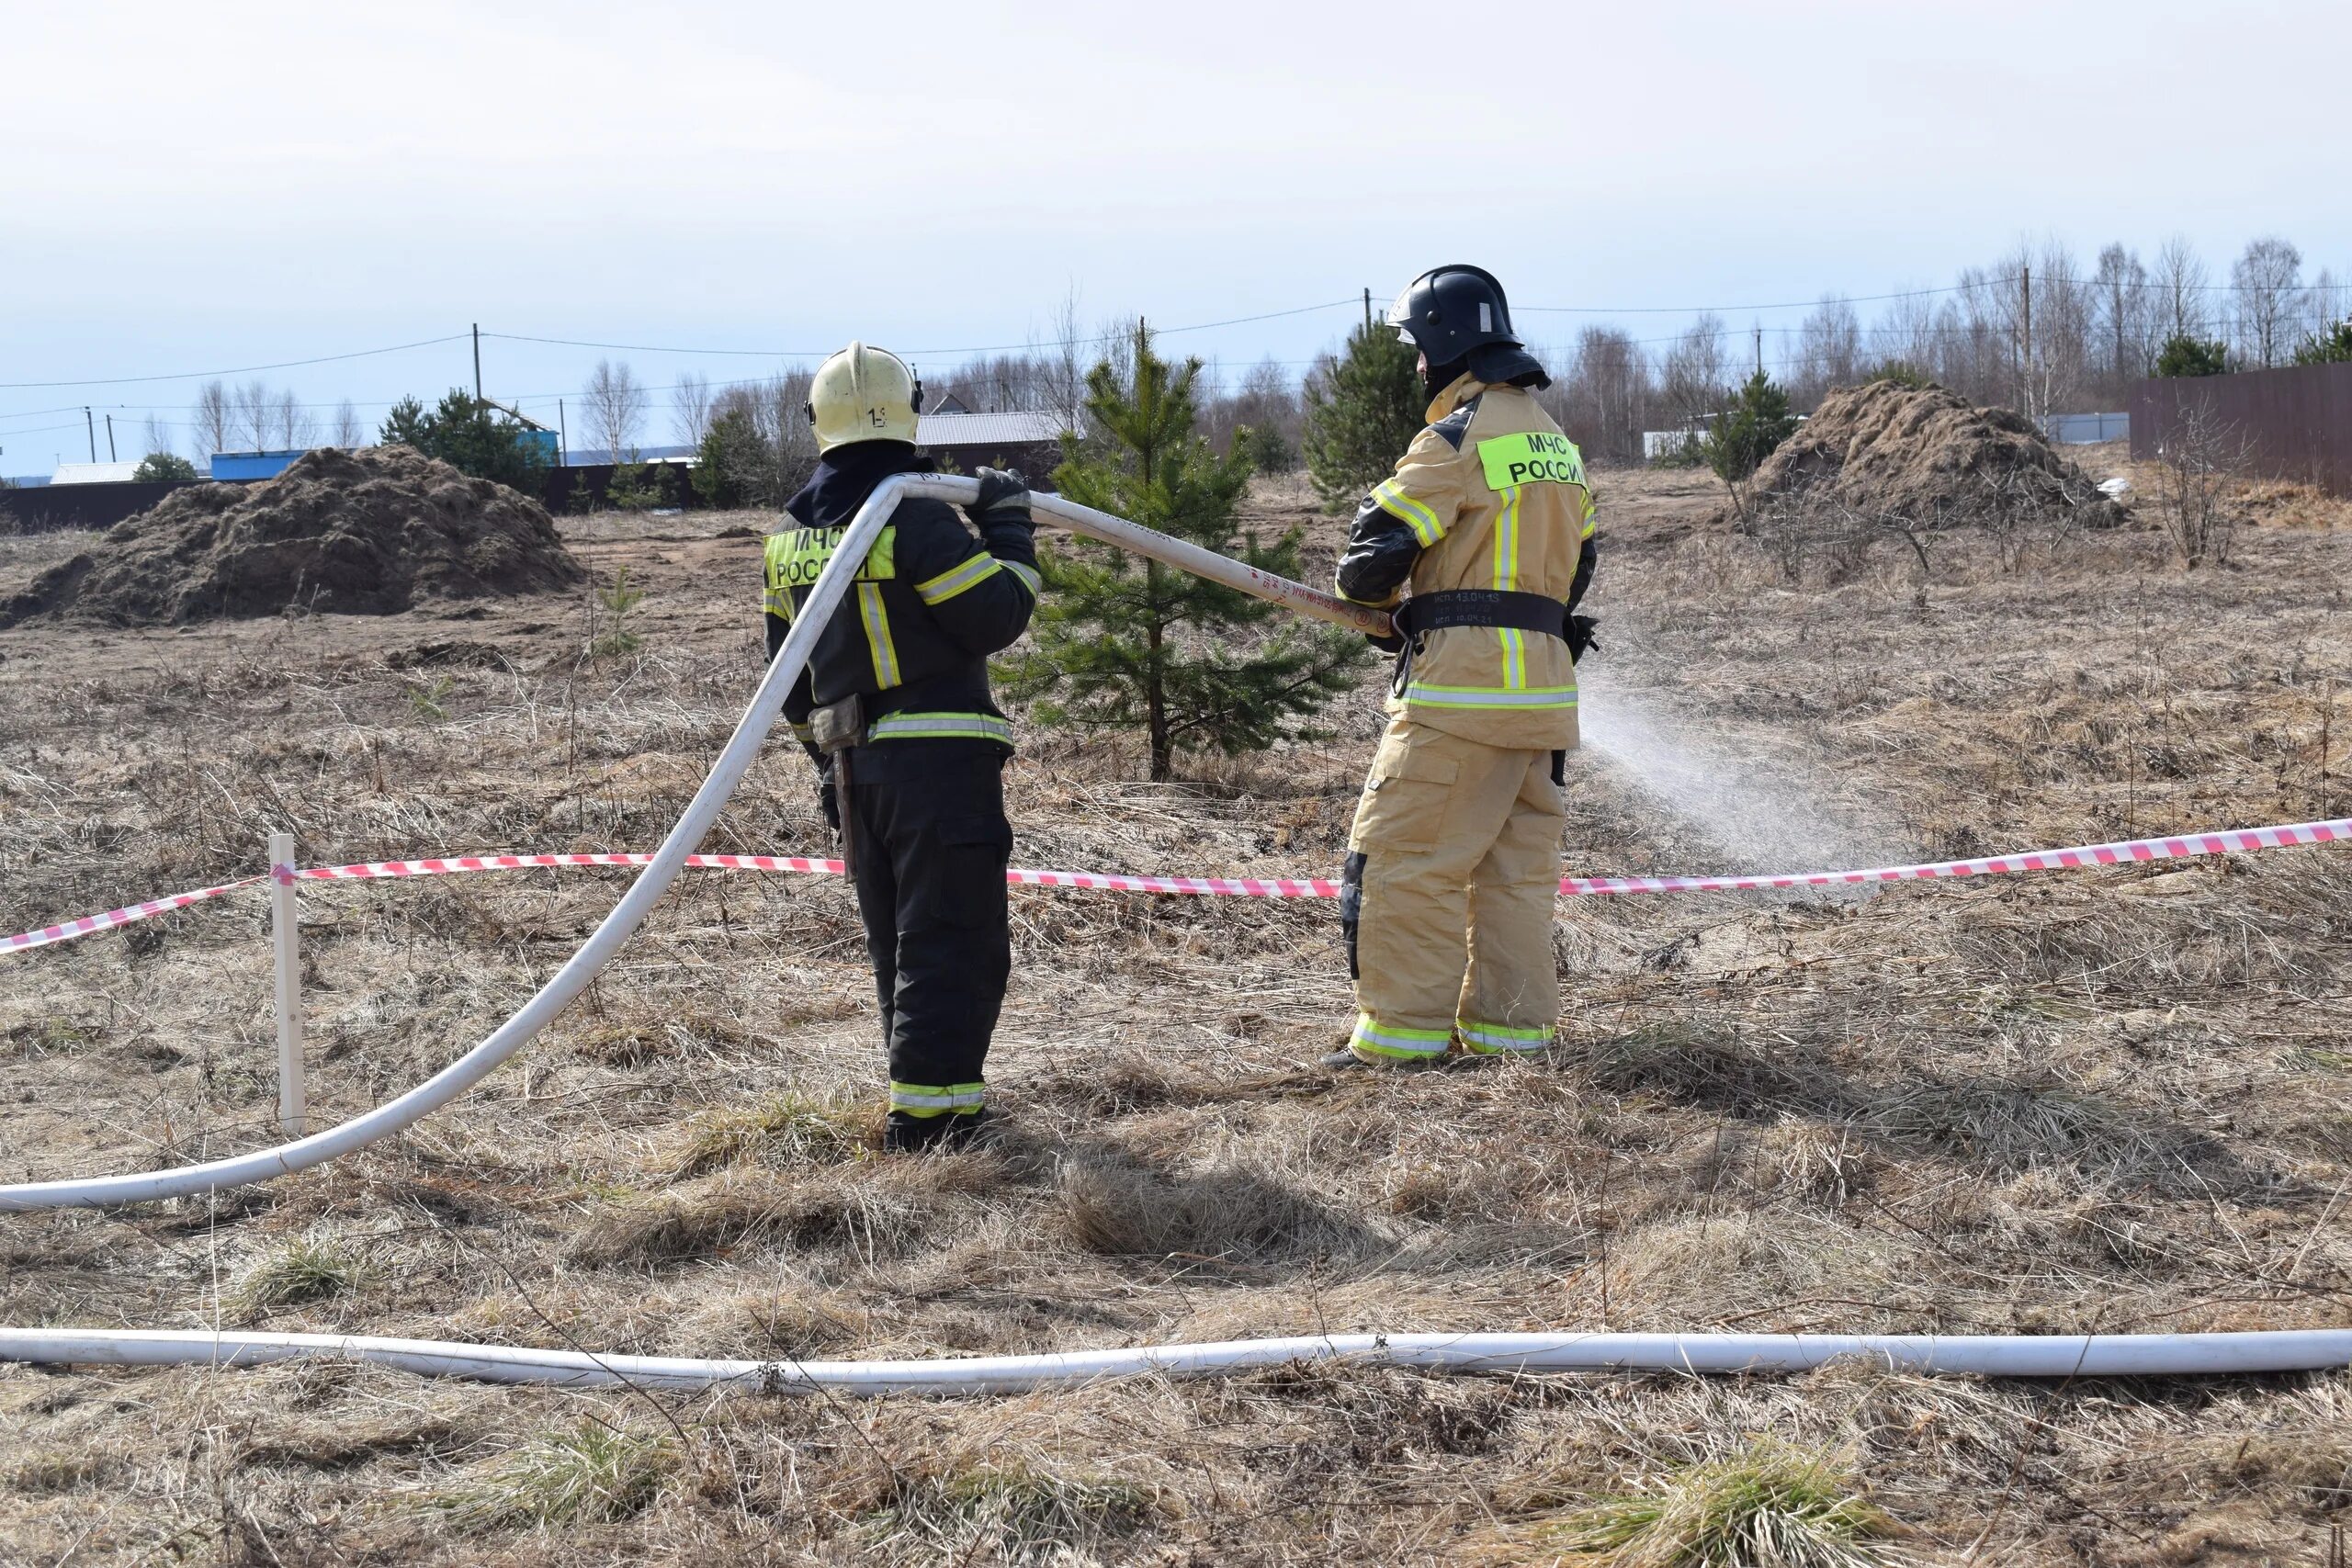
(930, 604)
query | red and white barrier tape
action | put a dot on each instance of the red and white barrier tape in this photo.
(2130, 852)
(68, 929)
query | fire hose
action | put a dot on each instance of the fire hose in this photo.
(2056, 1355)
(1978, 1355)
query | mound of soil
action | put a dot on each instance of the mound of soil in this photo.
(1928, 457)
(367, 533)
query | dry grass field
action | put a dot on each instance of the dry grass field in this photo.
(2111, 1100)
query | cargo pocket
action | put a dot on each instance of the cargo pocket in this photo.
(972, 859)
(1404, 801)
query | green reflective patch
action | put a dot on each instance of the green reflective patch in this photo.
(795, 559)
(1532, 456)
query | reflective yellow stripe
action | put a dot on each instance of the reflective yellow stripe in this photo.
(1532, 697)
(877, 635)
(1591, 518)
(777, 603)
(1377, 1039)
(939, 727)
(1392, 500)
(1514, 642)
(1028, 575)
(1487, 1039)
(938, 1100)
(956, 579)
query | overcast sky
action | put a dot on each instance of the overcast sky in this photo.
(196, 187)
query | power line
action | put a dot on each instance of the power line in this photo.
(239, 370)
(977, 348)
(1736, 310)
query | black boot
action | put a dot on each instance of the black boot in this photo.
(905, 1133)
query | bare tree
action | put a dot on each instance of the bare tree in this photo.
(292, 424)
(346, 427)
(159, 437)
(1974, 340)
(2197, 466)
(256, 415)
(1604, 399)
(616, 408)
(2327, 303)
(1696, 373)
(1065, 361)
(2181, 284)
(2126, 345)
(1907, 335)
(214, 417)
(690, 406)
(2268, 283)
(1829, 349)
(2058, 352)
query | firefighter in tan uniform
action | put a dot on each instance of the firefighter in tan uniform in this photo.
(1454, 860)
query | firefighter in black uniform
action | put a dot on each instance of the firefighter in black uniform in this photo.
(895, 707)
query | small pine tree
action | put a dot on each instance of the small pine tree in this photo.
(2331, 344)
(1747, 432)
(2185, 354)
(1361, 418)
(1121, 643)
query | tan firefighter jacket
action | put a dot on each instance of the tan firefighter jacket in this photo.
(1489, 496)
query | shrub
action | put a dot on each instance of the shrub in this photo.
(2332, 345)
(2183, 354)
(470, 436)
(157, 468)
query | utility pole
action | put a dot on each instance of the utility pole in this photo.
(1367, 311)
(1760, 348)
(563, 437)
(477, 364)
(94, 432)
(112, 456)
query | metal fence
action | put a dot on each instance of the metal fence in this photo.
(2088, 429)
(40, 508)
(2294, 424)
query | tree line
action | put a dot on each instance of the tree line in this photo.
(2040, 329)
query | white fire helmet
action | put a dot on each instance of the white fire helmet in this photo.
(864, 394)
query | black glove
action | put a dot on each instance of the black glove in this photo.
(829, 801)
(1581, 639)
(1559, 770)
(1388, 642)
(1003, 497)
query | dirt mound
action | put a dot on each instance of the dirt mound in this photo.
(367, 533)
(1930, 457)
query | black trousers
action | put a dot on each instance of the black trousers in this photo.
(932, 844)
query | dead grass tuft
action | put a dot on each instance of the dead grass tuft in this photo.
(731, 1213)
(1769, 1507)
(780, 1131)
(1122, 1210)
(1016, 1513)
(592, 1474)
(305, 1270)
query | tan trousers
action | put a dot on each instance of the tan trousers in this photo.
(1453, 866)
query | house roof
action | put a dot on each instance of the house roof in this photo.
(988, 429)
(94, 473)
